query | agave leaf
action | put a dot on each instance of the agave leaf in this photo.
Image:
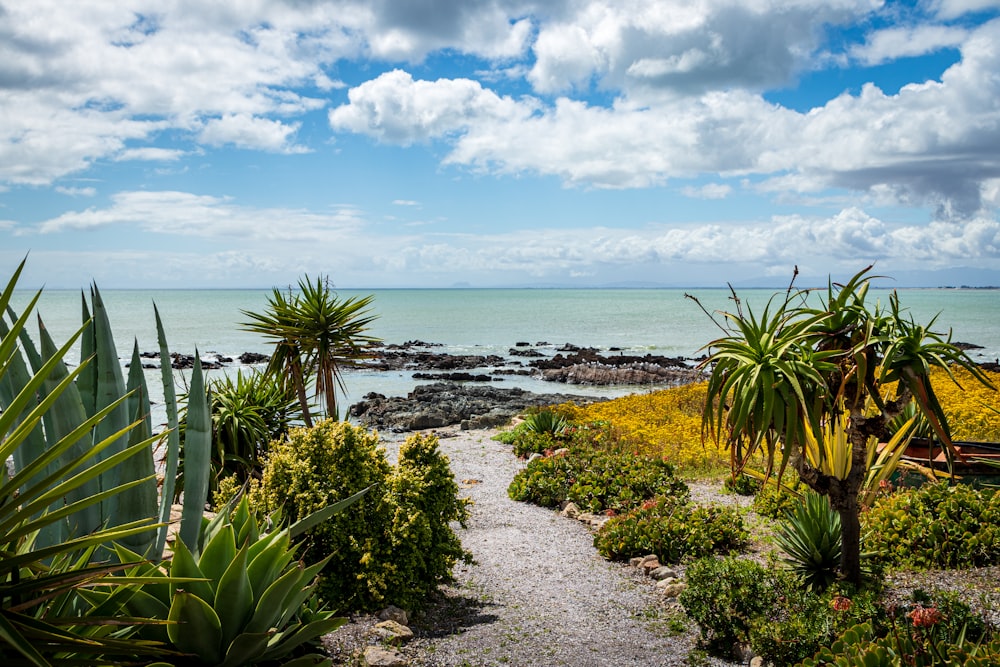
(197, 457)
(48, 490)
(269, 606)
(233, 597)
(12, 424)
(266, 566)
(246, 649)
(48, 486)
(288, 641)
(195, 627)
(319, 516)
(87, 384)
(173, 433)
(297, 598)
(218, 553)
(68, 413)
(110, 388)
(144, 605)
(101, 537)
(184, 565)
(141, 501)
(35, 443)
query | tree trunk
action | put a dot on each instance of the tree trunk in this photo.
(850, 533)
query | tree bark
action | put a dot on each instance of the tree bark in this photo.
(850, 533)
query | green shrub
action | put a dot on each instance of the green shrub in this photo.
(935, 526)
(810, 539)
(672, 529)
(393, 546)
(596, 480)
(422, 546)
(775, 502)
(725, 597)
(742, 484)
(540, 434)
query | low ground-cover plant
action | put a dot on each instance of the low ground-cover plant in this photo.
(396, 544)
(663, 423)
(541, 435)
(936, 526)
(595, 480)
(931, 630)
(971, 408)
(741, 603)
(673, 529)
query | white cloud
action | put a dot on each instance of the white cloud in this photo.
(151, 154)
(186, 214)
(397, 109)
(931, 143)
(76, 192)
(892, 43)
(950, 9)
(405, 202)
(248, 132)
(708, 191)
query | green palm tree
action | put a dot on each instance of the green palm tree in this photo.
(778, 379)
(316, 335)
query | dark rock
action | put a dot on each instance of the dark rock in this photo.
(460, 376)
(253, 358)
(522, 343)
(514, 352)
(443, 404)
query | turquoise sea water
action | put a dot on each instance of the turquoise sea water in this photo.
(490, 321)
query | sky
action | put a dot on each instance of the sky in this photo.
(490, 143)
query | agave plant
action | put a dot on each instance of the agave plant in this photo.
(58, 478)
(243, 600)
(545, 421)
(82, 479)
(810, 539)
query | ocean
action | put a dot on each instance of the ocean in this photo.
(488, 321)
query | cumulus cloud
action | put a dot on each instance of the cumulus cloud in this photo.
(249, 132)
(708, 191)
(395, 108)
(76, 192)
(187, 214)
(932, 143)
(150, 154)
(893, 43)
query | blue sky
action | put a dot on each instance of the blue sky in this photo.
(432, 143)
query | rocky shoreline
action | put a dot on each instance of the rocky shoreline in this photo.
(462, 389)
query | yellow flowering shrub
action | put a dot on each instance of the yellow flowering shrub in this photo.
(973, 411)
(663, 423)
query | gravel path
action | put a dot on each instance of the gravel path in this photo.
(538, 593)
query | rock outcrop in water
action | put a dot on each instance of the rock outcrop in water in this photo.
(444, 404)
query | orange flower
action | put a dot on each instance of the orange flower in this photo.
(840, 603)
(924, 617)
